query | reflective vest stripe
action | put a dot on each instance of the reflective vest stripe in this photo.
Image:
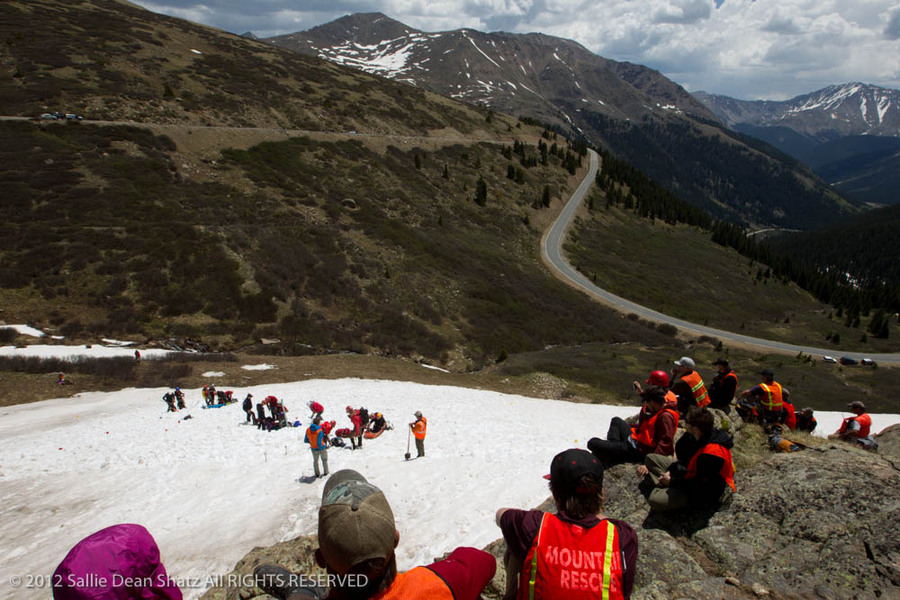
(568, 561)
(607, 561)
(534, 560)
(772, 400)
(693, 379)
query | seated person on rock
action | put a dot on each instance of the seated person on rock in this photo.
(576, 553)
(765, 400)
(806, 421)
(654, 432)
(702, 476)
(856, 429)
(357, 541)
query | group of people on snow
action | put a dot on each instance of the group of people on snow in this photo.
(362, 424)
(174, 400)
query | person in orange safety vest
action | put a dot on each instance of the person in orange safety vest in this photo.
(702, 475)
(768, 398)
(419, 428)
(654, 432)
(688, 385)
(576, 553)
(857, 428)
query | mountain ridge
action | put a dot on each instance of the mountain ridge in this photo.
(632, 110)
(848, 134)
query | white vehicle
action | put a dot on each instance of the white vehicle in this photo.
(829, 359)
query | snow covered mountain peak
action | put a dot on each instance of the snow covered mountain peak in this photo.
(837, 110)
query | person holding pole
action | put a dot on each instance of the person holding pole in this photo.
(419, 427)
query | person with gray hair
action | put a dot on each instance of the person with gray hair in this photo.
(688, 385)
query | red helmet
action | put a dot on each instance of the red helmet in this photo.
(660, 378)
(349, 409)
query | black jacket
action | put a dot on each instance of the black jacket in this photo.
(722, 390)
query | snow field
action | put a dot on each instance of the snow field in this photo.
(211, 488)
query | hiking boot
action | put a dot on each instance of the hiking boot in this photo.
(282, 584)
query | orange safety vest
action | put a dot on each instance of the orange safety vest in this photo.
(568, 562)
(694, 380)
(313, 438)
(419, 428)
(771, 400)
(727, 471)
(644, 432)
(420, 582)
(865, 424)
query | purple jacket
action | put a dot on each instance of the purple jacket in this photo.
(117, 563)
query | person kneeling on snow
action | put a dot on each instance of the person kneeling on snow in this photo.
(703, 474)
(377, 423)
(603, 552)
(357, 543)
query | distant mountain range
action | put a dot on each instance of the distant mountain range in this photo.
(848, 134)
(634, 111)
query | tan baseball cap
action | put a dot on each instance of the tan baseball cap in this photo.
(356, 522)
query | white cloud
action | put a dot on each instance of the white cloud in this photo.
(744, 48)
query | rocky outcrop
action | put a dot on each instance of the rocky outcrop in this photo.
(816, 524)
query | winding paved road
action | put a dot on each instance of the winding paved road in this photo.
(551, 252)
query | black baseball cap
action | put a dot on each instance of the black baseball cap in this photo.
(569, 466)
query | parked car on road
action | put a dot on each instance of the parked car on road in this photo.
(829, 359)
(846, 360)
(73, 117)
(47, 117)
(868, 362)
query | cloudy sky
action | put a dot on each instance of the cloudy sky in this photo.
(762, 49)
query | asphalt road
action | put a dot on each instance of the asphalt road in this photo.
(551, 252)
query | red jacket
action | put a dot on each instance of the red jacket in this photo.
(357, 422)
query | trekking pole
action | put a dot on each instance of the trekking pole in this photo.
(408, 434)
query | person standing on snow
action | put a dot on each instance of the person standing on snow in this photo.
(356, 430)
(318, 443)
(248, 408)
(419, 428)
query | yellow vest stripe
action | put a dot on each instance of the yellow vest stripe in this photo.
(607, 559)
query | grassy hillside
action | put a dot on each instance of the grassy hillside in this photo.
(677, 270)
(332, 246)
(111, 60)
